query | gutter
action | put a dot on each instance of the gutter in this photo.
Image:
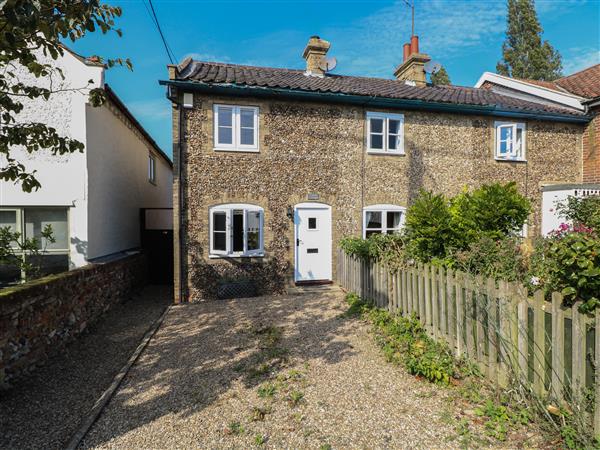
(407, 104)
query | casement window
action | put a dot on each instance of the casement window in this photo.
(383, 219)
(235, 128)
(510, 141)
(236, 230)
(151, 169)
(385, 133)
(30, 222)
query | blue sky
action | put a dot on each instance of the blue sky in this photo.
(366, 36)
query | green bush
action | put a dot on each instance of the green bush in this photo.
(581, 211)
(388, 248)
(571, 265)
(429, 229)
(494, 210)
(500, 259)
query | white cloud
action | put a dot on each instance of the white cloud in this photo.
(579, 58)
(207, 57)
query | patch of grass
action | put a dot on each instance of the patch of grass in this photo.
(260, 440)
(267, 390)
(295, 397)
(235, 428)
(325, 447)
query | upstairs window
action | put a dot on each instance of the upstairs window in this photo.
(236, 128)
(383, 219)
(151, 169)
(510, 141)
(236, 230)
(385, 133)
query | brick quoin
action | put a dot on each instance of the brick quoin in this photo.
(591, 150)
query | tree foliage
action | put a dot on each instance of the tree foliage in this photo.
(24, 254)
(30, 34)
(524, 54)
(440, 78)
(581, 211)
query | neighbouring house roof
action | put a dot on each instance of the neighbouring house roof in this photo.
(585, 83)
(199, 74)
(112, 97)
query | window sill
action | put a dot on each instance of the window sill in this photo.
(236, 150)
(383, 152)
(258, 255)
(510, 159)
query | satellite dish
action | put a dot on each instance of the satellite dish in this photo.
(328, 64)
(432, 67)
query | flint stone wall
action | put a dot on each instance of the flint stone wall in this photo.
(319, 149)
(38, 318)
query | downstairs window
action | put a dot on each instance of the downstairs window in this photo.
(236, 230)
(382, 219)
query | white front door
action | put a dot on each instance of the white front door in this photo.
(313, 242)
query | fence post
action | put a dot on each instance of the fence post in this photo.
(460, 314)
(426, 274)
(470, 316)
(578, 343)
(480, 313)
(597, 375)
(451, 302)
(523, 338)
(558, 347)
(435, 303)
(504, 341)
(492, 330)
(443, 318)
(539, 343)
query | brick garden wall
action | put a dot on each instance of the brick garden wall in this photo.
(39, 318)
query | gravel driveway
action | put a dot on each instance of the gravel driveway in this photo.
(43, 410)
(276, 372)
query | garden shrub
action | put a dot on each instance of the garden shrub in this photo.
(388, 248)
(570, 263)
(581, 211)
(501, 259)
(429, 229)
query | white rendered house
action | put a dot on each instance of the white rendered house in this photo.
(92, 199)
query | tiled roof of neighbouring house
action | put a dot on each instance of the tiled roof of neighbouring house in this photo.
(585, 83)
(213, 73)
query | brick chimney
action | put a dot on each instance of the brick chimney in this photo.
(413, 67)
(314, 54)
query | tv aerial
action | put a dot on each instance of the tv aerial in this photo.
(328, 64)
(432, 67)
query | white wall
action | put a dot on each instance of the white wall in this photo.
(552, 195)
(63, 178)
(118, 183)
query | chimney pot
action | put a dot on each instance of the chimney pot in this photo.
(314, 53)
(414, 44)
(406, 52)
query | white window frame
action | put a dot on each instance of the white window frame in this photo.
(386, 118)
(383, 209)
(228, 210)
(20, 228)
(236, 126)
(151, 168)
(515, 152)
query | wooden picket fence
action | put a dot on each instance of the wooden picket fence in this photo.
(549, 348)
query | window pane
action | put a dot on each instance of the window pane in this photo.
(247, 118)
(373, 219)
(505, 133)
(10, 272)
(312, 223)
(376, 125)
(519, 144)
(219, 219)
(247, 136)
(36, 219)
(393, 219)
(253, 227)
(376, 141)
(225, 116)
(225, 135)
(393, 126)
(392, 142)
(8, 219)
(219, 241)
(237, 230)
(47, 264)
(503, 147)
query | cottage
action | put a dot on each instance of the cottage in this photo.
(578, 91)
(91, 199)
(274, 166)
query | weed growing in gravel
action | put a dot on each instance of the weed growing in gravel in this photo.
(260, 440)
(235, 428)
(267, 390)
(325, 447)
(258, 413)
(499, 418)
(271, 355)
(295, 397)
